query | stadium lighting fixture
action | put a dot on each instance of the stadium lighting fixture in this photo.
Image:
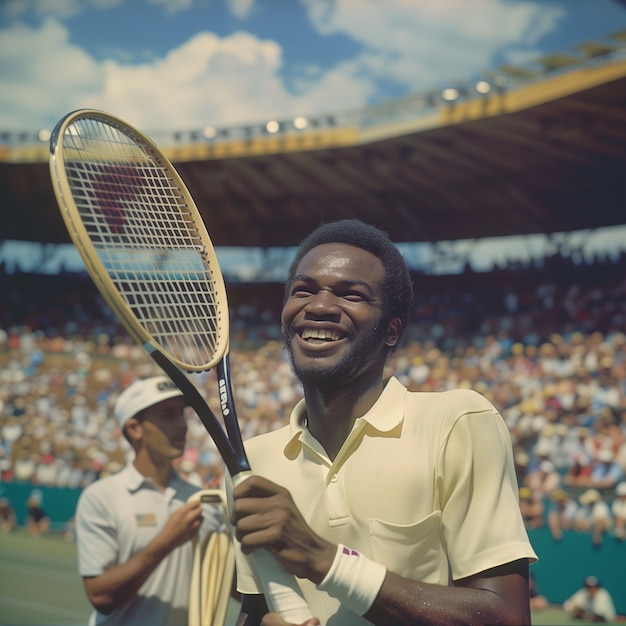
(44, 134)
(499, 81)
(209, 132)
(482, 86)
(300, 123)
(450, 94)
(272, 127)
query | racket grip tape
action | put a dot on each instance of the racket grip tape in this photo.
(282, 593)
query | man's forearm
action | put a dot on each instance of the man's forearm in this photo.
(117, 585)
(498, 600)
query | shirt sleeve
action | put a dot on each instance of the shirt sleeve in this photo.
(483, 525)
(96, 535)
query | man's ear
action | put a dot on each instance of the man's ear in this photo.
(134, 429)
(394, 330)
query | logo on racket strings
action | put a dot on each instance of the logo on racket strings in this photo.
(116, 187)
(223, 396)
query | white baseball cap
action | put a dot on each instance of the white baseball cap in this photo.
(141, 394)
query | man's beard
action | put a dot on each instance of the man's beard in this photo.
(341, 371)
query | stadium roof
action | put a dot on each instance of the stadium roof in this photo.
(547, 156)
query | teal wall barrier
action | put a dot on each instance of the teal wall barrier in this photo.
(58, 503)
(563, 565)
(560, 571)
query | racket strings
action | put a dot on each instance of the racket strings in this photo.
(140, 225)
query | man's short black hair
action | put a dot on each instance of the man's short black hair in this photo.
(397, 286)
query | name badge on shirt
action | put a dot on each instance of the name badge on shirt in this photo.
(146, 519)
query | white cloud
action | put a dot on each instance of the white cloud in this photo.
(42, 75)
(240, 8)
(341, 88)
(242, 79)
(207, 80)
(417, 44)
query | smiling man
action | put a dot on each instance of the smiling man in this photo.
(391, 507)
(133, 528)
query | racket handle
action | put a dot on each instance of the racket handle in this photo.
(282, 593)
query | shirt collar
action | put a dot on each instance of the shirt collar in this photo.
(135, 480)
(385, 416)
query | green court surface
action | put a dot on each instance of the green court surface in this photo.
(39, 585)
(555, 615)
(38, 581)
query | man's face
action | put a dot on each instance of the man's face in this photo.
(331, 320)
(165, 428)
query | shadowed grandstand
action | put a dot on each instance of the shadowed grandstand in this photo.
(541, 150)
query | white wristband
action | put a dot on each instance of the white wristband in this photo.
(353, 579)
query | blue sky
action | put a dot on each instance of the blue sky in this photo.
(180, 64)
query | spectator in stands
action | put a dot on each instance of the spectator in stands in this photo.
(133, 528)
(532, 507)
(561, 513)
(12, 430)
(542, 452)
(605, 472)
(8, 520)
(37, 521)
(618, 509)
(43, 317)
(580, 446)
(579, 472)
(543, 480)
(591, 603)
(521, 466)
(560, 452)
(593, 515)
(620, 455)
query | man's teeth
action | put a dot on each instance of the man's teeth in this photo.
(316, 335)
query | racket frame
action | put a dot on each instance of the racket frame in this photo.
(231, 447)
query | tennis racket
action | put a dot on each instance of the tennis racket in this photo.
(146, 248)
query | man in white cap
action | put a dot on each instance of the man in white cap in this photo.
(133, 528)
(592, 602)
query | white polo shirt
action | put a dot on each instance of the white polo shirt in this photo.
(424, 484)
(120, 515)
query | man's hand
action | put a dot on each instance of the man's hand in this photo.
(181, 526)
(265, 516)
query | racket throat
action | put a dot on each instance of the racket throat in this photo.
(233, 460)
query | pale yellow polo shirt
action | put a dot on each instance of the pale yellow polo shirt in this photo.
(424, 484)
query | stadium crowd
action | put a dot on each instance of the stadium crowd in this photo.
(543, 341)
